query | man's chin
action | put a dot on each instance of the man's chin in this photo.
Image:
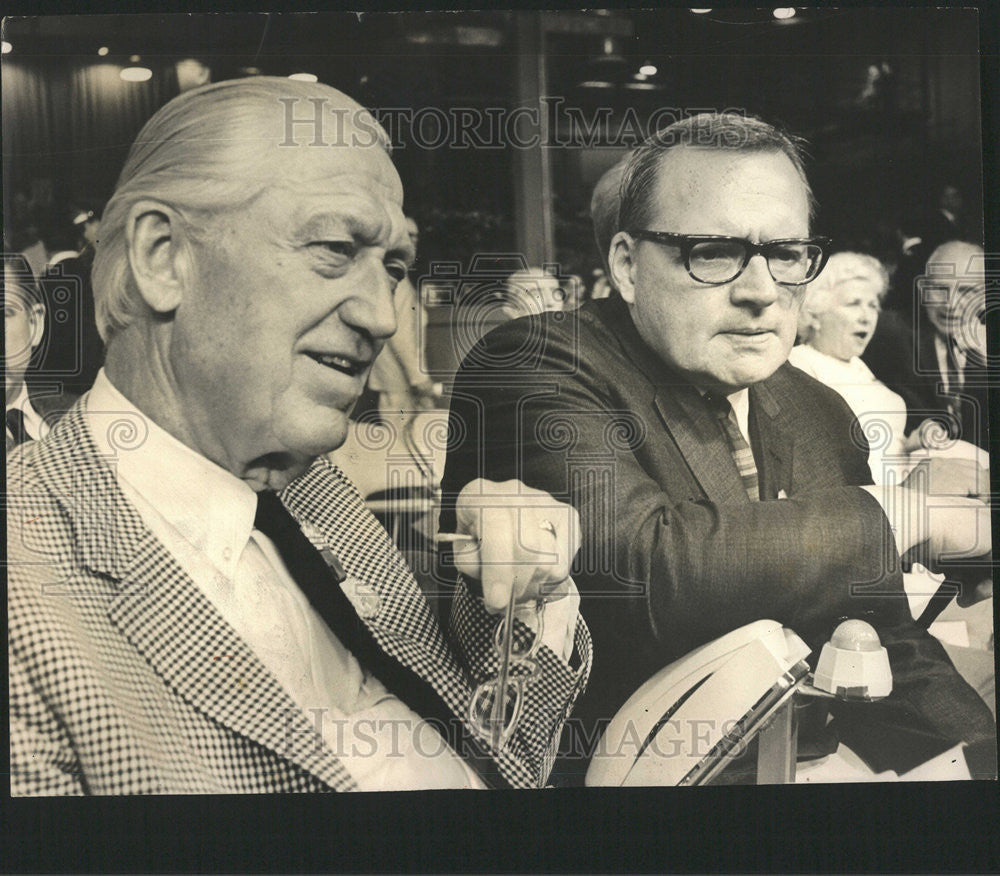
(741, 378)
(323, 441)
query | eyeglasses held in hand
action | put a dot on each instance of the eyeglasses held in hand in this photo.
(495, 707)
(715, 259)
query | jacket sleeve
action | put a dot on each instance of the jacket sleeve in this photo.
(670, 567)
(549, 686)
(42, 760)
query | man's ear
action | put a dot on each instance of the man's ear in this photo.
(622, 265)
(36, 316)
(158, 254)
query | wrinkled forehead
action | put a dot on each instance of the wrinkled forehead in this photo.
(306, 164)
(734, 179)
(958, 263)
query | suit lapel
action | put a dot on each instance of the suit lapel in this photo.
(703, 446)
(380, 585)
(390, 603)
(199, 655)
(698, 437)
(773, 446)
(167, 618)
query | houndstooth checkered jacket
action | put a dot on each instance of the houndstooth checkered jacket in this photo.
(124, 679)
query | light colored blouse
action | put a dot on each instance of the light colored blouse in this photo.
(880, 411)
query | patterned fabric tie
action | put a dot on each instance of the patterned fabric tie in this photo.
(742, 454)
(15, 427)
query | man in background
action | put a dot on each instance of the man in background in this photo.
(31, 407)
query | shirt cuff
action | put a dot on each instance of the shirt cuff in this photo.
(559, 622)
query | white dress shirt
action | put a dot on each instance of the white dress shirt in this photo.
(204, 515)
(740, 401)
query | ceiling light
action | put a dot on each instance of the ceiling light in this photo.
(304, 77)
(596, 83)
(6, 48)
(700, 11)
(102, 51)
(134, 59)
(136, 74)
(191, 73)
(648, 70)
(783, 12)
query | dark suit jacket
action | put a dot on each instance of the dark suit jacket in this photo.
(50, 403)
(674, 553)
(903, 357)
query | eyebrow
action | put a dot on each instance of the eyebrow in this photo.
(358, 226)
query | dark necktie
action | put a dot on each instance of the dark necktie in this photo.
(15, 425)
(742, 454)
(320, 583)
(956, 374)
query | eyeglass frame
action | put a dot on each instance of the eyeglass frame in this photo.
(686, 242)
(502, 637)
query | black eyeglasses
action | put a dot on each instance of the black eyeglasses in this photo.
(710, 258)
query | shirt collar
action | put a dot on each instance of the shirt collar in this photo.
(740, 401)
(209, 506)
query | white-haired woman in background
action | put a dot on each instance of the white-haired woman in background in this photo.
(838, 318)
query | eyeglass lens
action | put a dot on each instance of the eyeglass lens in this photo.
(493, 719)
(722, 260)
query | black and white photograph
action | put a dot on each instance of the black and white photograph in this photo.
(521, 399)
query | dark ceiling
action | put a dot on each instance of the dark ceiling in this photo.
(461, 52)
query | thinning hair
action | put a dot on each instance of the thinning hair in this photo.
(209, 151)
(711, 131)
(840, 268)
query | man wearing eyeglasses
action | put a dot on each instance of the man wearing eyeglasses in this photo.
(717, 484)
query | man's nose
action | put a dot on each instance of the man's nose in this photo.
(369, 308)
(755, 286)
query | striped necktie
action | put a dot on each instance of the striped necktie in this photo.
(742, 454)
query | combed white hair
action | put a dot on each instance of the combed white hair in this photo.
(840, 267)
(209, 150)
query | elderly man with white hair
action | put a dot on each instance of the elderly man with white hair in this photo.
(938, 362)
(199, 602)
